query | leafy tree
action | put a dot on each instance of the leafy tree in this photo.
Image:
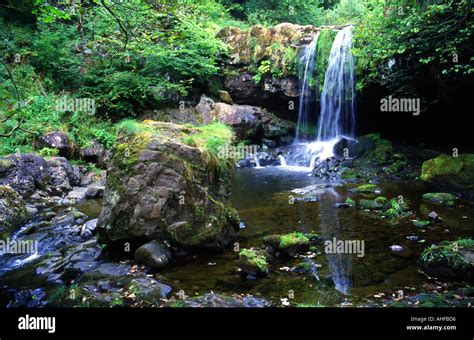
(405, 45)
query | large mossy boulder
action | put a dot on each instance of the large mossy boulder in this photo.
(13, 212)
(450, 260)
(370, 148)
(448, 172)
(167, 182)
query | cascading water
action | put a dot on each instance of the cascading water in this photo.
(306, 69)
(338, 98)
(337, 114)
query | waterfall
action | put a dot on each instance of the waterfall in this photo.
(306, 70)
(337, 116)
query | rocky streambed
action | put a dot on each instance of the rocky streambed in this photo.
(176, 227)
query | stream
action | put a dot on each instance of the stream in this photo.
(262, 197)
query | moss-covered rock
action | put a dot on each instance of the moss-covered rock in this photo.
(367, 189)
(171, 183)
(253, 262)
(350, 201)
(290, 244)
(450, 260)
(395, 167)
(370, 204)
(395, 208)
(440, 198)
(276, 44)
(13, 212)
(421, 223)
(447, 171)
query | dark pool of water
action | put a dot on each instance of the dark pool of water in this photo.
(262, 197)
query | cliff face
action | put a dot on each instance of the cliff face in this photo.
(260, 43)
(262, 68)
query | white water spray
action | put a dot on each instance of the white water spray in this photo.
(337, 116)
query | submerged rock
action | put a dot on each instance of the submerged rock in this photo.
(367, 189)
(219, 300)
(440, 198)
(433, 216)
(370, 204)
(153, 254)
(421, 223)
(401, 251)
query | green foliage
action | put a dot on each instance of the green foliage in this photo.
(213, 139)
(272, 12)
(254, 258)
(48, 152)
(262, 70)
(422, 38)
(345, 12)
(448, 252)
(395, 208)
(53, 53)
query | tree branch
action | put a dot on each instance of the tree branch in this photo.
(118, 22)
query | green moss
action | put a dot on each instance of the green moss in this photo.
(303, 266)
(176, 304)
(295, 239)
(383, 149)
(394, 208)
(5, 163)
(455, 171)
(349, 174)
(421, 223)
(370, 204)
(381, 200)
(212, 140)
(366, 188)
(254, 258)
(449, 253)
(440, 198)
(289, 61)
(350, 201)
(395, 167)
